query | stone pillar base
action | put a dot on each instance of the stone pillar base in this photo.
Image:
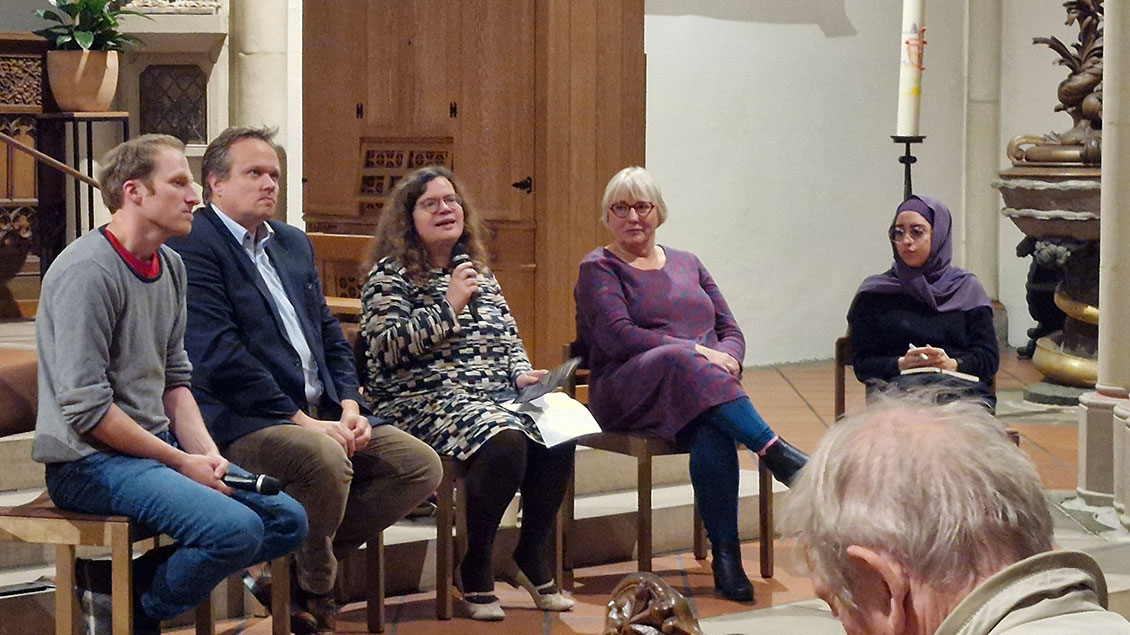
(1121, 452)
(1096, 448)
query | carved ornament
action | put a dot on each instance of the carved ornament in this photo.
(20, 81)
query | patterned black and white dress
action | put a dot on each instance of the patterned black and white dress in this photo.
(437, 375)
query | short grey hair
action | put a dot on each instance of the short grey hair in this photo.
(217, 156)
(633, 183)
(940, 488)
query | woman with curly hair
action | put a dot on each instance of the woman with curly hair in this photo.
(441, 351)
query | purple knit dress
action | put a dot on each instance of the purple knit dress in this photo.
(638, 329)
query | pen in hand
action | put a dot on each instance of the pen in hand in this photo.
(922, 356)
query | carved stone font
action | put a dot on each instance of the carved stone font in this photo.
(1080, 95)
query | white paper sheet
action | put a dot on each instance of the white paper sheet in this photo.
(558, 416)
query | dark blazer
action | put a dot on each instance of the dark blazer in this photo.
(246, 375)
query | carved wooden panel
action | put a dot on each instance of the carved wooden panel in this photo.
(17, 170)
(385, 161)
(21, 88)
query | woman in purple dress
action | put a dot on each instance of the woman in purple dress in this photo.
(666, 354)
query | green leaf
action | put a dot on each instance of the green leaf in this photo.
(84, 39)
(48, 14)
(70, 8)
(62, 41)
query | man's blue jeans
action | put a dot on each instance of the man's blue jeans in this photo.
(216, 535)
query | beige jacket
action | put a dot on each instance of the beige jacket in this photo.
(1058, 592)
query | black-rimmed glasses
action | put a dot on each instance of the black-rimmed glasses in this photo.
(642, 208)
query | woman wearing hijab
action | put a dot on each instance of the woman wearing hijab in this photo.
(924, 312)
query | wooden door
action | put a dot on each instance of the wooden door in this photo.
(494, 145)
(333, 72)
(413, 67)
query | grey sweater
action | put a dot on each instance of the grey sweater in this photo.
(105, 335)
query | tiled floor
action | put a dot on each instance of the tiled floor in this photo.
(797, 400)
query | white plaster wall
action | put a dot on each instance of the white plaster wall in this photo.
(17, 15)
(768, 126)
(1029, 79)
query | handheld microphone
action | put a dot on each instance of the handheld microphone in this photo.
(258, 483)
(458, 257)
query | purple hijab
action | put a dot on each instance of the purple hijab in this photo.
(937, 284)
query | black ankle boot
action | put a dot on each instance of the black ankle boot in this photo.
(729, 577)
(784, 460)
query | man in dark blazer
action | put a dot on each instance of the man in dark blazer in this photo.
(275, 378)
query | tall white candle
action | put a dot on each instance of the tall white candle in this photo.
(910, 66)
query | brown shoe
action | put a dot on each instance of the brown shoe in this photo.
(313, 614)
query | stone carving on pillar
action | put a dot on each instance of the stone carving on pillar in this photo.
(1052, 194)
(175, 6)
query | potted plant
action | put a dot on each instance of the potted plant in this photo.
(82, 68)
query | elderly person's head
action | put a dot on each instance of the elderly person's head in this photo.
(632, 208)
(908, 506)
(427, 215)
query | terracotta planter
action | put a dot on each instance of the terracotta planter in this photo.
(83, 81)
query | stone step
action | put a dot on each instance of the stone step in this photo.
(597, 471)
(19, 471)
(601, 472)
(410, 545)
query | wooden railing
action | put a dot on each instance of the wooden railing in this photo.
(43, 158)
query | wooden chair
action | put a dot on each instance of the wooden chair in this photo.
(644, 449)
(40, 522)
(374, 585)
(451, 533)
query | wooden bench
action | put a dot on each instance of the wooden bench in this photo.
(40, 522)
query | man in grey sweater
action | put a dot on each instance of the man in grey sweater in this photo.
(118, 426)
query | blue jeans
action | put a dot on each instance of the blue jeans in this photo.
(714, 462)
(216, 535)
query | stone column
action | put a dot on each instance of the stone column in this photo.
(1097, 420)
(259, 85)
(1121, 452)
(982, 132)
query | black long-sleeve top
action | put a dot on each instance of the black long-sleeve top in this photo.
(883, 325)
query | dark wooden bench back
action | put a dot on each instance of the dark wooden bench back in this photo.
(19, 391)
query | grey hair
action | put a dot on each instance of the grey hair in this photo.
(636, 183)
(940, 488)
(217, 156)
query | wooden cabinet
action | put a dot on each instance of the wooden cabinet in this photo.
(504, 92)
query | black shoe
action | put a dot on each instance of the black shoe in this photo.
(729, 577)
(312, 613)
(784, 460)
(259, 587)
(425, 509)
